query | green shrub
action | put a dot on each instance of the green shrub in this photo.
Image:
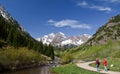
(21, 55)
(67, 58)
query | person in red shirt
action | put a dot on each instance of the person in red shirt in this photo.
(105, 63)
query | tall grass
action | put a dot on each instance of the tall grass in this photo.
(11, 57)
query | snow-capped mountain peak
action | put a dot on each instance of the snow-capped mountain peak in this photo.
(60, 33)
(69, 41)
(60, 39)
(5, 14)
(9, 18)
(52, 34)
(87, 35)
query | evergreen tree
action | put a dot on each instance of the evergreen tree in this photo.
(51, 48)
(16, 39)
(40, 47)
(10, 36)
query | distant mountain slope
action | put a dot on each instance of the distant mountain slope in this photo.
(59, 39)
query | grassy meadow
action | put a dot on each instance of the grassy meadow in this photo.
(71, 69)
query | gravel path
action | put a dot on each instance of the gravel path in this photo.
(85, 65)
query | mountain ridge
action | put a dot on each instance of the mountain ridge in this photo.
(5, 14)
(10, 19)
(107, 32)
(60, 39)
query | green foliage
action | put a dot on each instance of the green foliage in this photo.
(3, 28)
(115, 19)
(49, 51)
(67, 58)
(58, 52)
(21, 55)
(2, 43)
(71, 69)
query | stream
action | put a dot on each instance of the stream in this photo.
(36, 70)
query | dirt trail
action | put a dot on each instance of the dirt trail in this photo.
(85, 65)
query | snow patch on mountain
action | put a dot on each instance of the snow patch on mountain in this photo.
(65, 42)
(4, 13)
(9, 18)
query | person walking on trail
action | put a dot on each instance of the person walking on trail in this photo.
(105, 63)
(97, 62)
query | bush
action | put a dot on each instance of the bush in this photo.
(67, 58)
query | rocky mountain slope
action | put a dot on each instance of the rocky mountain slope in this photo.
(5, 14)
(10, 19)
(108, 32)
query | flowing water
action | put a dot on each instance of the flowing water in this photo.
(37, 70)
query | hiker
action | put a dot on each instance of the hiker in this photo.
(105, 64)
(97, 62)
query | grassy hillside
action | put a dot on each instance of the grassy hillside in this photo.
(111, 49)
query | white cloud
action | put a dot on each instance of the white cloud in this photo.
(101, 8)
(84, 3)
(51, 21)
(112, 1)
(69, 23)
(96, 7)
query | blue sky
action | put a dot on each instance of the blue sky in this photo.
(72, 17)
